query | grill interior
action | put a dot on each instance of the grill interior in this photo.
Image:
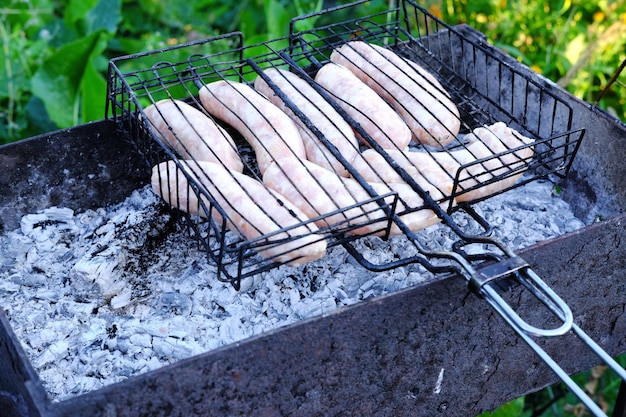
(486, 91)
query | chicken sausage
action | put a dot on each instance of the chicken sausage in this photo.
(365, 106)
(418, 165)
(253, 211)
(344, 202)
(440, 169)
(325, 118)
(414, 93)
(193, 134)
(487, 142)
(268, 130)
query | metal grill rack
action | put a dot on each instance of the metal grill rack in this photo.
(463, 67)
(484, 88)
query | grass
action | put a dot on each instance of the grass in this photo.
(600, 383)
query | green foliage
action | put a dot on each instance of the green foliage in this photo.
(64, 79)
(513, 408)
(600, 383)
(54, 53)
(577, 44)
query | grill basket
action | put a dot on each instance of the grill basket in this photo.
(485, 89)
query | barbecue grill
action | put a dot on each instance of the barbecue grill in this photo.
(475, 76)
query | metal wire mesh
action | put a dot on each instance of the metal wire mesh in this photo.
(478, 127)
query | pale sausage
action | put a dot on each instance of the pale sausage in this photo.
(270, 132)
(253, 211)
(343, 203)
(318, 192)
(418, 165)
(319, 112)
(192, 134)
(414, 93)
(441, 168)
(487, 142)
(365, 106)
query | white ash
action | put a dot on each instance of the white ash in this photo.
(99, 296)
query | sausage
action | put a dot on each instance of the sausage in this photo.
(414, 93)
(192, 134)
(411, 208)
(325, 118)
(253, 211)
(440, 168)
(418, 165)
(270, 132)
(487, 142)
(316, 191)
(365, 106)
(320, 192)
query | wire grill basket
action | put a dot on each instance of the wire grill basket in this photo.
(485, 89)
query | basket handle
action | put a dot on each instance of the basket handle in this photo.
(484, 283)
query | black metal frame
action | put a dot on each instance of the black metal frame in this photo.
(463, 65)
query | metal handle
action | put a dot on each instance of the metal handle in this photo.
(565, 314)
(544, 293)
(486, 287)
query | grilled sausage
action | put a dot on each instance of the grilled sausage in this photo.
(487, 142)
(365, 106)
(441, 168)
(414, 93)
(325, 118)
(270, 132)
(253, 211)
(192, 134)
(320, 192)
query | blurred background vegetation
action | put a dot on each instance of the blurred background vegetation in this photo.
(54, 56)
(54, 53)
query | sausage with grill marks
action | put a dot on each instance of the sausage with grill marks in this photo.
(365, 106)
(270, 132)
(193, 134)
(320, 192)
(414, 93)
(253, 210)
(487, 142)
(325, 118)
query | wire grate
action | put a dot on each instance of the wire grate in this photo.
(485, 92)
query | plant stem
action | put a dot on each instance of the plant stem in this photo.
(4, 34)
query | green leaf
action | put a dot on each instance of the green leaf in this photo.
(58, 80)
(38, 120)
(513, 408)
(87, 16)
(107, 14)
(93, 94)
(32, 13)
(75, 12)
(277, 19)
